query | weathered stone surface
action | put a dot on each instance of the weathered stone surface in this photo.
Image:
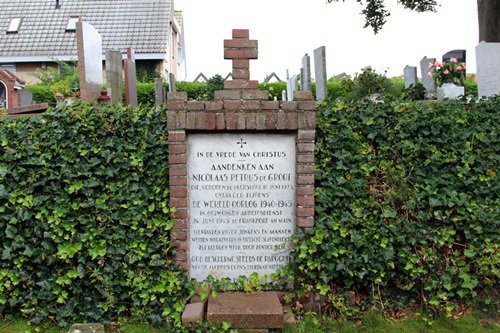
(87, 328)
(246, 311)
(192, 313)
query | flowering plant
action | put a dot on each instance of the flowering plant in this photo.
(448, 72)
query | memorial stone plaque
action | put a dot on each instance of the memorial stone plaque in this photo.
(241, 203)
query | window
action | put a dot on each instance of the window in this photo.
(71, 25)
(14, 25)
(10, 67)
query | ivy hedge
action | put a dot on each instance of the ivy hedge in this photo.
(407, 203)
(84, 218)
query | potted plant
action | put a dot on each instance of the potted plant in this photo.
(449, 77)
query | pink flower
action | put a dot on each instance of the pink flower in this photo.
(453, 60)
(431, 64)
(460, 68)
(429, 74)
(446, 71)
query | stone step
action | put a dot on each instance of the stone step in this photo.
(261, 310)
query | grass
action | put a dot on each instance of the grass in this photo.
(476, 322)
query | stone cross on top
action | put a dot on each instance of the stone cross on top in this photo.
(241, 49)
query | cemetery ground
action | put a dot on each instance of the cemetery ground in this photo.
(473, 321)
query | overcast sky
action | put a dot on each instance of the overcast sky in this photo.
(288, 29)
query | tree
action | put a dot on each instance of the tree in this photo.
(488, 11)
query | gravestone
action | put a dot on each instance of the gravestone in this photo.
(89, 46)
(25, 97)
(291, 87)
(130, 79)
(114, 75)
(305, 73)
(159, 92)
(171, 82)
(488, 69)
(241, 173)
(427, 80)
(320, 73)
(460, 55)
(410, 75)
(86, 328)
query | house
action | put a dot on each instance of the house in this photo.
(35, 32)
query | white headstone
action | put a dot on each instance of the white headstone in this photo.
(428, 80)
(89, 45)
(320, 73)
(488, 69)
(305, 73)
(241, 203)
(410, 75)
(291, 86)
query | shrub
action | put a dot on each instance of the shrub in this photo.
(84, 218)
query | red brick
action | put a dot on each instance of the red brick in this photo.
(241, 84)
(305, 158)
(240, 73)
(307, 105)
(230, 120)
(311, 119)
(288, 106)
(180, 245)
(180, 256)
(241, 44)
(178, 191)
(180, 223)
(177, 148)
(281, 121)
(220, 121)
(303, 95)
(214, 105)
(177, 159)
(241, 63)
(261, 121)
(305, 168)
(181, 120)
(301, 120)
(232, 105)
(191, 120)
(195, 106)
(201, 121)
(255, 94)
(179, 213)
(177, 95)
(178, 202)
(305, 201)
(171, 120)
(250, 120)
(291, 120)
(241, 54)
(306, 135)
(305, 190)
(177, 170)
(240, 121)
(241, 33)
(210, 121)
(270, 105)
(305, 179)
(178, 234)
(175, 105)
(272, 118)
(250, 105)
(227, 94)
(305, 212)
(305, 147)
(177, 136)
(177, 180)
(305, 222)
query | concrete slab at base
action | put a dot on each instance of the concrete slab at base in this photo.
(246, 311)
(87, 328)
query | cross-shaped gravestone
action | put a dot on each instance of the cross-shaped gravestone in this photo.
(241, 49)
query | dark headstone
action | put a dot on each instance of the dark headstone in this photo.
(457, 54)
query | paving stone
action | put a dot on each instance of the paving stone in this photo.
(246, 311)
(288, 316)
(192, 313)
(87, 328)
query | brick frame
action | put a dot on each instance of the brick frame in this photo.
(239, 107)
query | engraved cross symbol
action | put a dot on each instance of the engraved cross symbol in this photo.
(241, 143)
